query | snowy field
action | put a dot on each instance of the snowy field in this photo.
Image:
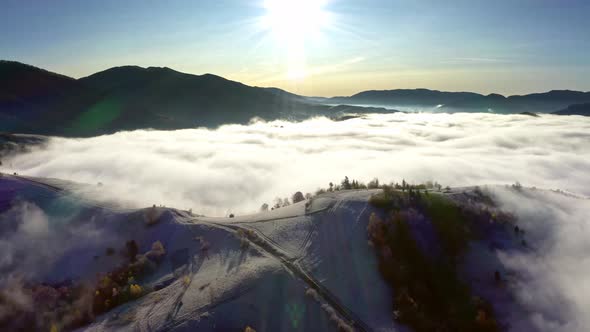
(237, 168)
(304, 267)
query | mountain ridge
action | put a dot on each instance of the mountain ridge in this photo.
(37, 101)
(132, 97)
(575, 109)
(471, 101)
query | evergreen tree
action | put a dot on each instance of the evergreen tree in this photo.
(346, 183)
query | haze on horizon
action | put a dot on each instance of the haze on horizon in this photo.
(315, 48)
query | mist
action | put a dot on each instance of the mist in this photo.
(551, 280)
(31, 241)
(237, 168)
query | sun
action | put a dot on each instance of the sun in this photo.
(293, 23)
(296, 19)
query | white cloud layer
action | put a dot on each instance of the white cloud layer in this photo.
(238, 167)
(552, 279)
(31, 241)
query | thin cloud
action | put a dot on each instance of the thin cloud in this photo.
(477, 60)
(342, 66)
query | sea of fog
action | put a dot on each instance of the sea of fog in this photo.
(237, 168)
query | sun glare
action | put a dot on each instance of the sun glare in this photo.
(295, 19)
(293, 23)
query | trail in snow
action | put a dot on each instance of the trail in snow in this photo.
(263, 243)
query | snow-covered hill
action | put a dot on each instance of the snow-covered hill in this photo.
(305, 267)
(287, 269)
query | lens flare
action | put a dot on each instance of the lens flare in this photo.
(293, 23)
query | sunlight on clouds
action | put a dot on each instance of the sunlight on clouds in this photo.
(239, 167)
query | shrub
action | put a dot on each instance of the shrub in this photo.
(313, 294)
(375, 231)
(373, 184)
(451, 227)
(152, 216)
(278, 203)
(388, 189)
(346, 183)
(380, 201)
(132, 250)
(135, 290)
(429, 295)
(298, 197)
(157, 252)
(243, 235)
(70, 304)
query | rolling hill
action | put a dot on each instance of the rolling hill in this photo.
(466, 101)
(576, 109)
(33, 100)
(317, 265)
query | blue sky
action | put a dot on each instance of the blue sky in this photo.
(510, 47)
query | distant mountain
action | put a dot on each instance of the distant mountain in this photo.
(36, 101)
(465, 101)
(33, 100)
(406, 97)
(27, 91)
(576, 109)
(17, 143)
